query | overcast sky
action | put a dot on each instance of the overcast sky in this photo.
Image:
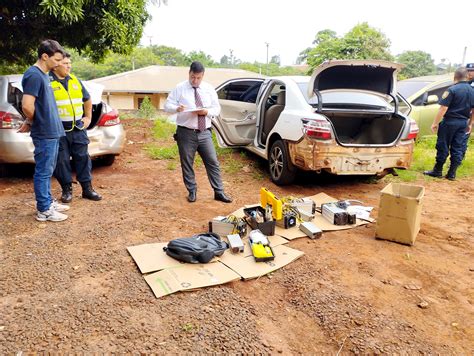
(218, 26)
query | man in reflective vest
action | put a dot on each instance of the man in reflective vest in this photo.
(75, 111)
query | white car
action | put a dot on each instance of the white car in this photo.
(345, 119)
(106, 133)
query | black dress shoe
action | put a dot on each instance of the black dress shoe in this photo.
(192, 196)
(66, 196)
(222, 197)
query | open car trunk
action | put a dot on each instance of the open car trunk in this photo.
(366, 128)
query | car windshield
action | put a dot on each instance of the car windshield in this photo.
(342, 99)
(409, 87)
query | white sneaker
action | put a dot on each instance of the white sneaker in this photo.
(50, 215)
(59, 207)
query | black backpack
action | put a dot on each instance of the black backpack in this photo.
(200, 248)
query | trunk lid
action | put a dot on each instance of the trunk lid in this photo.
(367, 75)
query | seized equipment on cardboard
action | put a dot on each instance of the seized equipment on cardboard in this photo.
(336, 213)
(228, 225)
(305, 207)
(200, 248)
(311, 230)
(284, 216)
(235, 242)
(260, 247)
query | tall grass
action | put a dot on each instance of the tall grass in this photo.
(424, 158)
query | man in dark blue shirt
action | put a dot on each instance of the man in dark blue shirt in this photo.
(39, 107)
(455, 110)
(470, 79)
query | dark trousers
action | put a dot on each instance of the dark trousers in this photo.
(74, 145)
(190, 142)
(451, 138)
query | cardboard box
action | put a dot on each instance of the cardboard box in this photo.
(400, 213)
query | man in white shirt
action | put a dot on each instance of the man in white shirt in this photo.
(195, 102)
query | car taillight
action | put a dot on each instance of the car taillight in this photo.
(413, 132)
(318, 129)
(109, 119)
(9, 120)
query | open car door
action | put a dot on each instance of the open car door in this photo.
(237, 123)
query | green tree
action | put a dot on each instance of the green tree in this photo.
(93, 26)
(114, 63)
(361, 42)
(202, 57)
(276, 60)
(170, 56)
(146, 110)
(417, 64)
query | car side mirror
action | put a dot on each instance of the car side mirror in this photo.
(432, 99)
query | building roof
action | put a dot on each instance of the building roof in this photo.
(163, 79)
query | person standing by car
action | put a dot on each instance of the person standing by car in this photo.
(193, 133)
(455, 110)
(43, 122)
(75, 111)
(470, 78)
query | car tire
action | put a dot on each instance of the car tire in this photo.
(107, 160)
(282, 171)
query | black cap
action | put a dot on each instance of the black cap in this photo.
(470, 66)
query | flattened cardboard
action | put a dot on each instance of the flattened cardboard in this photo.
(189, 276)
(400, 213)
(321, 222)
(248, 268)
(151, 257)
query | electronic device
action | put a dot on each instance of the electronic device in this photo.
(235, 242)
(260, 247)
(311, 230)
(289, 220)
(335, 215)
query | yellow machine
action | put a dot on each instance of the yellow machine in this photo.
(267, 199)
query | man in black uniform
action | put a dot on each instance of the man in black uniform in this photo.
(470, 78)
(456, 105)
(75, 111)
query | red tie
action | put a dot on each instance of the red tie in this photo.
(201, 118)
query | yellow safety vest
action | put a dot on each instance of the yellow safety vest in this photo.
(69, 102)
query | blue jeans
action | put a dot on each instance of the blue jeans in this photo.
(46, 155)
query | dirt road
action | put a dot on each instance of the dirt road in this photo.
(72, 286)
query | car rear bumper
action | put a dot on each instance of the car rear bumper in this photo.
(18, 147)
(336, 159)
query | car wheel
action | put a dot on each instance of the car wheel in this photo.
(107, 160)
(282, 171)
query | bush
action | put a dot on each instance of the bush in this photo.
(147, 110)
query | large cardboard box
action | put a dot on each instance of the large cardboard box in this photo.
(400, 213)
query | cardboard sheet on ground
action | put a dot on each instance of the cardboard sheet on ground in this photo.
(248, 268)
(189, 276)
(275, 241)
(151, 257)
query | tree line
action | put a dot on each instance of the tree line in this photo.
(103, 37)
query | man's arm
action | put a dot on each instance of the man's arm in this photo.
(215, 108)
(28, 108)
(87, 113)
(172, 105)
(442, 110)
(469, 123)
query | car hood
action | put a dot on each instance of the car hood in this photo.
(369, 75)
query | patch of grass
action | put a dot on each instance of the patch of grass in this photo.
(424, 158)
(167, 152)
(163, 129)
(188, 327)
(232, 165)
(171, 165)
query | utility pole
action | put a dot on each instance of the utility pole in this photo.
(231, 57)
(149, 38)
(464, 56)
(267, 44)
